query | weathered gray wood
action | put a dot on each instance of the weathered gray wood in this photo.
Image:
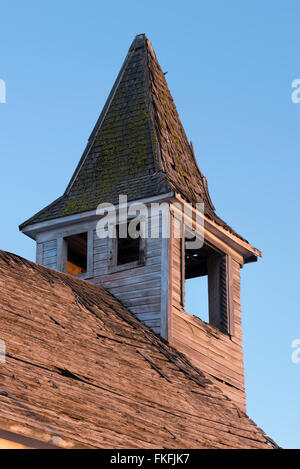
(90, 253)
(214, 290)
(61, 254)
(164, 292)
(182, 265)
(144, 293)
(230, 297)
(220, 291)
(139, 286)
(39, 253)
(50, 245)
(49, 256)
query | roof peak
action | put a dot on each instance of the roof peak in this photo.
(138, 41)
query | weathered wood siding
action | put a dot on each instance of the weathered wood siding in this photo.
(47, 253)
(138, 288)
(210, 350)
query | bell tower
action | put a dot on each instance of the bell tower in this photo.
(139, 158)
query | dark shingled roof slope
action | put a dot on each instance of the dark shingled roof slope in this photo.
(82, 372)
(138, 146)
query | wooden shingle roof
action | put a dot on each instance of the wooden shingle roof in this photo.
(138, 146)
(82, 372)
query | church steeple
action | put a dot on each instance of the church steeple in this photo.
(139, 148)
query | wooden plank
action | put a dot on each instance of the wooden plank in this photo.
(149, 315)
(133, 279)
(49, 245)
(142, 293)
(129, 287)
(141, 301)
(39, 253)
(196, 329)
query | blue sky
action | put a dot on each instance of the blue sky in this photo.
(230, 68)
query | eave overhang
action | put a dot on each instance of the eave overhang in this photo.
(220, 238)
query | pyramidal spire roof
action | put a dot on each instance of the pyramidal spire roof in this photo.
(138, 146)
